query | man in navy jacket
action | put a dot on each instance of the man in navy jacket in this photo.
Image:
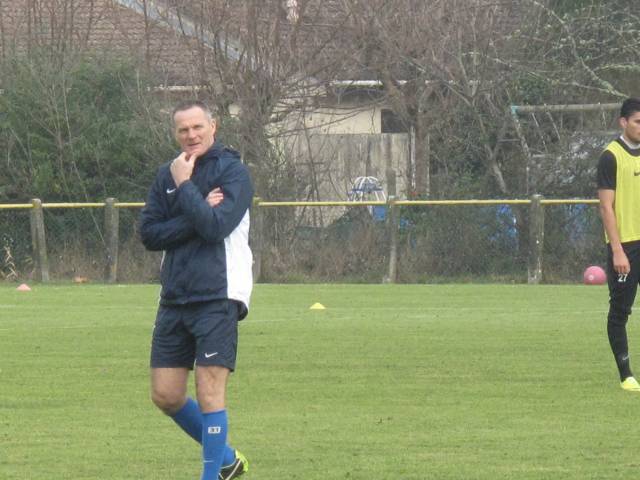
(197, 213)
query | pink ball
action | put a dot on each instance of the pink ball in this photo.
(594, 275)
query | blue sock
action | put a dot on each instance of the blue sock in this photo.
(189, 419)
(214, 438)
(229, 456)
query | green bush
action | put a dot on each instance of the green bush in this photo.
(84, 130)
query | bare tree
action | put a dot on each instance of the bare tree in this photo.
(443, 61)
(59, 26)
(267, 58)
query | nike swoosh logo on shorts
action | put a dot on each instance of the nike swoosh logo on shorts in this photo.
(209, 355)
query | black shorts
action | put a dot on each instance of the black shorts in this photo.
(622, 288)
(202, 333)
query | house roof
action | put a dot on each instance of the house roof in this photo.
(302, 32)
(176, 39)
(101, 26)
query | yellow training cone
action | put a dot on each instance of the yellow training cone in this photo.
(317, 306)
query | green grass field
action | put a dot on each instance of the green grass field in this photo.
(390, 382)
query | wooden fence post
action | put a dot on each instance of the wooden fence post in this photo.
(111, 230)
(39, 241)
(536, 239)
(34, 238)
(392, 226)
(256, 236)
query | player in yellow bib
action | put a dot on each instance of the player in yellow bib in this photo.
(619, 194)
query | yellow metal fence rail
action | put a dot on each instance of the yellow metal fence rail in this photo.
(337, 203)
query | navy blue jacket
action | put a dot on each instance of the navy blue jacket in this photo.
(206, 250)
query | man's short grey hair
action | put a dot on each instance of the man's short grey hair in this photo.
(188, 104)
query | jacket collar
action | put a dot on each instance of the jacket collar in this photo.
(213, 152)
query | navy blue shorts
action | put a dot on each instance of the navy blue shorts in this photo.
(202, 333)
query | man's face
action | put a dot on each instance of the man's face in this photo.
(194, 131)
(631, 127)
